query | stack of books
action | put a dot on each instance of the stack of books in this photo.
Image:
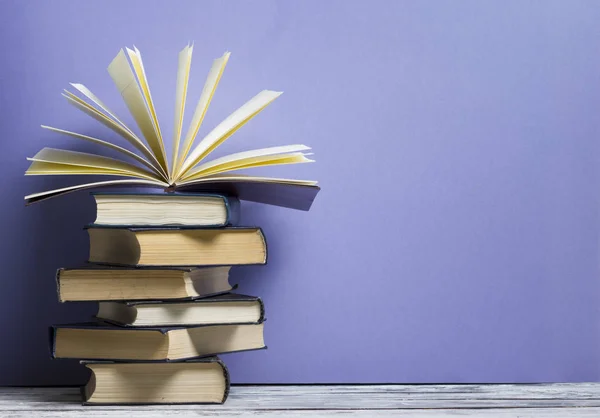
(160, 324)
(159, 263)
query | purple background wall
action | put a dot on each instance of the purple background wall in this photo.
(456, 236)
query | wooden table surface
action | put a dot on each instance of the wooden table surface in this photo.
(420, 401)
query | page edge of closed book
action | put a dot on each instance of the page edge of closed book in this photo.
(200, 300)
(142, 228)
(231, 203)
(173, 300)
(213, 298)
(212, 359)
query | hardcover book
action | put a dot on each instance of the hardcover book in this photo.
(229, 308)
(166, 209)
(187, 169)
(176, 246)
(106, 283)
(201, 381)
(99, 341)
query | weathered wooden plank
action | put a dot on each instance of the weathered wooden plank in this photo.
(548, 391)
(541, 391)
(440, 413)
(334, 398)
(538, 391)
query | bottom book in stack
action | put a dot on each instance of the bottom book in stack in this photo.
(156, 351)
(204, 380)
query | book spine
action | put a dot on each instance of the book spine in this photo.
(227, 380)
(52, 341)
(233, 208)
(262, 311)
(85, 394)
(264, 239)
(95, 206)
(82, 394)
(57, 277)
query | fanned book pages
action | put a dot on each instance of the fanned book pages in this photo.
(187, 169)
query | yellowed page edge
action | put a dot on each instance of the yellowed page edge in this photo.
(138, 66)
(105, 144)
(59, 156)
(125, 80)
(50, 168)
(219, 142)
(228, 127)
(262, 152)
(96, 100)
(254, 162)
(100, 117)
(183, 75)
(97, 184)
(45, 168)
(208, 91)
(219, 178)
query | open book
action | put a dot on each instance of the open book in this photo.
(187, 169)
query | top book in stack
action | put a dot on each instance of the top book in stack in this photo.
(186, 168)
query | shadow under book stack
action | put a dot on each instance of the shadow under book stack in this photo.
(159, 270)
